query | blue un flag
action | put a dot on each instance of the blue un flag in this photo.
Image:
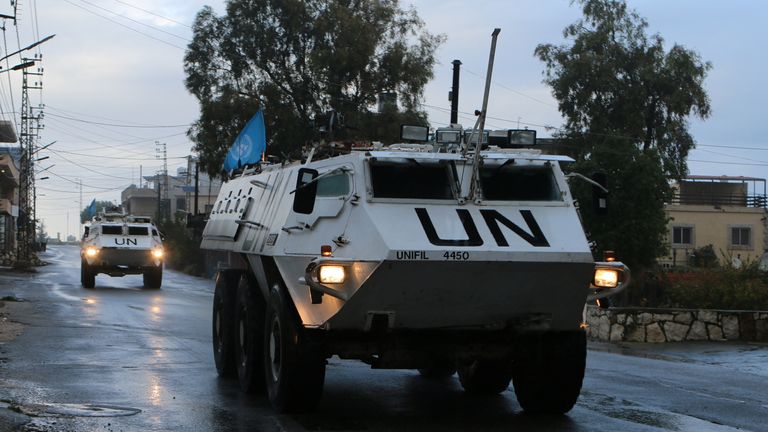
(249, 145)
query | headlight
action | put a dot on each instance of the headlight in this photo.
(157, 253)
(606, 278)
(333, 274)
(91, 251)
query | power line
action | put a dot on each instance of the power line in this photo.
(123, 25)
(81, 115)
(152, 13)
(135, 21)
(115, 157)
(10, 84)
(511, 89)
(119, 125)
(103, 146)
(728, 163)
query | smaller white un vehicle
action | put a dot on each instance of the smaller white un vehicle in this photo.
(431, 255)
(117, 244)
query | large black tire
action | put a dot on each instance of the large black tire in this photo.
(87, 276)
(439, 369)
(223, 323)
(153, 278)
(294, 371)
(548, 378)
(249, 330)
(485, 377)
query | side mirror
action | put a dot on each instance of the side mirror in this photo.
(306, 191)
(599, 194)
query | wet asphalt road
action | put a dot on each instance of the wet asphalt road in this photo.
(123, 358)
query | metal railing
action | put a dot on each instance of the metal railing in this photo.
(715, 200)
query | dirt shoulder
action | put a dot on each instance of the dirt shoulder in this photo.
(9, 329)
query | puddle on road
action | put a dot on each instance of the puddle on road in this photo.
(626, 410)
(70, 410)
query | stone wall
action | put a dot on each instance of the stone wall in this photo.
(675, 325)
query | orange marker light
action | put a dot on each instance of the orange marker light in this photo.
(325, 250)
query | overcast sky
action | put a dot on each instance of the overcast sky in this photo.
(113, 62)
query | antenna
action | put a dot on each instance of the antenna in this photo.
(480, 125)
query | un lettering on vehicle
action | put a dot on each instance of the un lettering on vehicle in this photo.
(126, 241)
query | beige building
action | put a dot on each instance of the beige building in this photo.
(176, 194)
(726, 212)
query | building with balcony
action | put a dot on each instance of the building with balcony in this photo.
(726, 212)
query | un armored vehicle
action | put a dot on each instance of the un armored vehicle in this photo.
(117, 244)
(407, 257)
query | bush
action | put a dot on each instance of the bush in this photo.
(722, 287)
(704, 256)
(183, 251)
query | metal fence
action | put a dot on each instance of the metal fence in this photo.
(717, 200)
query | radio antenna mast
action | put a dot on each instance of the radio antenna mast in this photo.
(480, 124)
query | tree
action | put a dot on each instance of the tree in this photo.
(626, 103)
(299, 59)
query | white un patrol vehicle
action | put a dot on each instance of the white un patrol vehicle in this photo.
(432, 256)
(117, 244)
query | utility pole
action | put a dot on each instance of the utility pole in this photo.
(197, 185)
(162, 153)
(79, 223)
(27, 140)
(30, 125)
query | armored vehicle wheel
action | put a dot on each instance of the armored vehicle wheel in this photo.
(484, 376)
(223, 323)
(294, 373)
(549, 379)
(249, 333)
(153, 278)
(87, 276)
(439, 369)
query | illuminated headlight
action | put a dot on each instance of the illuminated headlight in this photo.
(606, 278)
(332, 274)
(157, 253)
(91, 251)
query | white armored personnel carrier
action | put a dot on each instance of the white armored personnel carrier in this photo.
(398, 258)
(427, 255)
(117, 244)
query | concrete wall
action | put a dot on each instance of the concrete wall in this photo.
(675, 325)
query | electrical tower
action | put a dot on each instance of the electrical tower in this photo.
(31, 117)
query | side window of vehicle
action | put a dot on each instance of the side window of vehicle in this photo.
(334, 185)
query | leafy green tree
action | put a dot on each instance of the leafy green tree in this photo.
(299, 59)
(626, 102)
(616, 81)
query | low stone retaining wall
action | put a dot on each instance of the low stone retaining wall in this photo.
(675, 325)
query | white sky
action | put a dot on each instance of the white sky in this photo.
(131, 73)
